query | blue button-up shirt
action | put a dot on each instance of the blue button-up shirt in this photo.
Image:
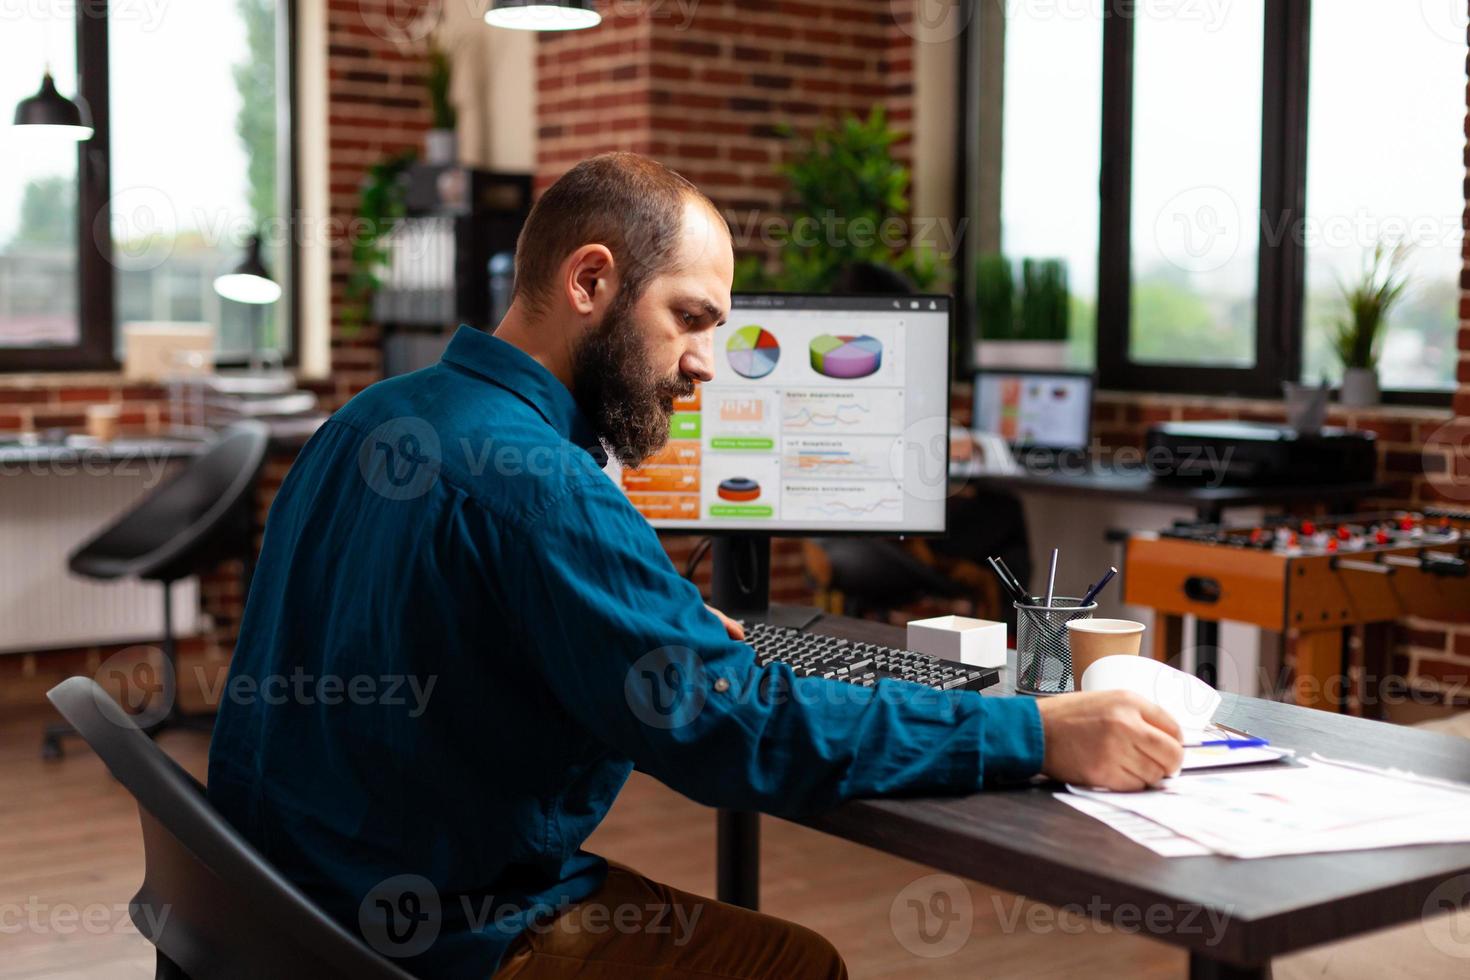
(460, 640)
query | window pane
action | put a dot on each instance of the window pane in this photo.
(194, 167)
(38, 188)
(1051, 153)
(1196, 182)
(1385, 161)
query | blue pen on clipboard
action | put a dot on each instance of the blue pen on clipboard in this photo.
(1232, 743)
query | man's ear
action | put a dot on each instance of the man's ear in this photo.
(589, 278)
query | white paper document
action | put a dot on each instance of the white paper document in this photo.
(1160, 840)
(1321, 805)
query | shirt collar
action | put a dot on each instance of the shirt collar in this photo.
(511, 368)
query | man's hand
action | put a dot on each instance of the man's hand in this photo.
(736, 631)
(1109, 739)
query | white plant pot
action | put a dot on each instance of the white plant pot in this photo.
(1037, 355)
(1359, 388)
(441, 147)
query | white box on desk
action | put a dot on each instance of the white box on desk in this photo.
(973, 642)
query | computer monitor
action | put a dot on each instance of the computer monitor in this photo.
(1035, 409)
(827, 415)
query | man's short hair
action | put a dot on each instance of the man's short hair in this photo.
(631, 204)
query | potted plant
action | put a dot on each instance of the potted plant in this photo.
(1356, 336)
(440, 145)
(845, 187)
(1021, 323)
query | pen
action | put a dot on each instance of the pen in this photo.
(1006, 582)
(1016, 586)
(1092, 592)
(1051, 580)
(1231, 743)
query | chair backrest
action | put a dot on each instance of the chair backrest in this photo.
(209, 901)
(183, 523)
(881, 575)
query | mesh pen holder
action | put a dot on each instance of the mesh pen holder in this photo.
(1043, 657)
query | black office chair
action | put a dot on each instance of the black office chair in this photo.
(873, 575)
(192, 522)
(211, 904)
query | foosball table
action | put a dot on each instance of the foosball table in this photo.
(1319, 582)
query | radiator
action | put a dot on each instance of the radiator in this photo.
(44, 515)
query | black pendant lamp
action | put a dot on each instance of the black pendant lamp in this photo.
(54, 113)
(249, 282)
(543, 15)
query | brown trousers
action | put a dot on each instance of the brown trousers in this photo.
(637, 928)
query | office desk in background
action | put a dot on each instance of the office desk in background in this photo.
(56, 494)
(1076, 508)
(1136, 485)
(1024, 841)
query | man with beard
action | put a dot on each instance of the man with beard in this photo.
(461, 638)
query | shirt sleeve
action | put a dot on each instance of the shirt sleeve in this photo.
(632, 654)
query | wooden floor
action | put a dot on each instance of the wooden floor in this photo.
(70, 857)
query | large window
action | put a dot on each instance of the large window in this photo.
(191, 127)
(1049, 160)
(1196, 186)
(38, 194)
(1385, 162)
(1244, 160)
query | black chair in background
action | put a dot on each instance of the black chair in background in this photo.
(862, 576)
(200, 517)
(211, 904)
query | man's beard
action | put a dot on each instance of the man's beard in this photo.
(619, 390)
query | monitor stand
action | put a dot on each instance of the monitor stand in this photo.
(740, 585)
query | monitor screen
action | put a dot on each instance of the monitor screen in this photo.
(827, 414)
(1034, 408)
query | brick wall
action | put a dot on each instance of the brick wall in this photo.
(376, 106)
(719, 96)
(709, 95)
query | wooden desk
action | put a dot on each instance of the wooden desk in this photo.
(1136, 484)
(1023, 840)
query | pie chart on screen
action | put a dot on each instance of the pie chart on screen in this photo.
(846, 355)
(752, 352)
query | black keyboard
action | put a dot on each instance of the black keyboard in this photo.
(864, 664)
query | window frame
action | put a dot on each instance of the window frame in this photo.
(96, 273)
(1281, 268)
